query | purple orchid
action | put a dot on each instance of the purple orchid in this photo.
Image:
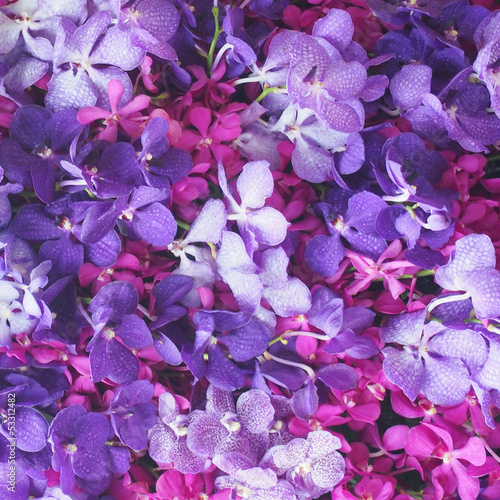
(257, 223)
(168, 439)
(459, 112)
(410, 48)
(342, 325)
(229, 430)
(147, 26)
(244, 339)
(132, 414)
(320, 152)
(82, 454)
(311, 466)
(206, 228)
(138, 215)
(32, 17)
(352, 217)
(85, 63)
(113, 312)
(58, 226)
(38, 141)
(320, 80)
(160, 165)
(436, 361)
(471, 269)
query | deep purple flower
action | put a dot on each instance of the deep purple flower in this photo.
(351, 217)
(132, 414)
(113, 310)
(82, 454)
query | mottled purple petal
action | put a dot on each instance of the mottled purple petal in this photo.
(446, 381)
(116, 49)
(410, 84)
(156, 225)
(404, 370)
(31, 429)
(134, 332)
(405, 329)
(305, 401)
(255, 184)
(247, 341)
(338, 377)
(255, 411)
(324, 253)
(209, 223)
(290, 299)
(221, 372)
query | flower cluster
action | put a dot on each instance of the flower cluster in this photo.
(249, 251)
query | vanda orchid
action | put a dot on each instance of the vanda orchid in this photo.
(249, 250)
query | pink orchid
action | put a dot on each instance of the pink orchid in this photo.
(148, 79)
(214, 91)
(369, 270)
(173, 484)
(430, 441)
(126, 118)
(375, 487)
(393, 440)
(206, 143)
(123, 269)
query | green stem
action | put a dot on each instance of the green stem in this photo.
(420, 274)
(185, 226)
(493, 158)
(265, 92)
(217, 32)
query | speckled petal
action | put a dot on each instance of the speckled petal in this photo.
(402, 369)
(446, 381)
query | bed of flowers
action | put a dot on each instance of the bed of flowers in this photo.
(248, 249)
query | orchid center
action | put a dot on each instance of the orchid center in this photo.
(229, 421)
(179, 425)
(204, 143)
(23, 18)
(243, 491)
(65, 224)
(112, 120)
(109, 333)
(303, 468)
(278, 426)
(315, 424)
(127, 215)
(337, 223)
(447, 458)
(70, 448)
(451, 33)
(176, 247)
(452, 111)
(45, 153)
